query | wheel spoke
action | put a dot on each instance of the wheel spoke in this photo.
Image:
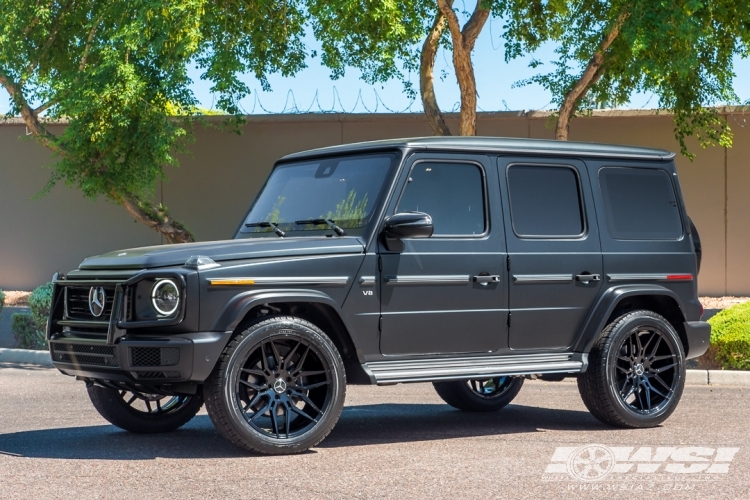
(311, 386)
(276, 355)
(630, 392)
(301, 362)
(659, 370)
(158, 405)
(148, 405)
(263, 410)
(253, 401)
(130, 401)
(661, 358)
(638, 343)
(311, 373)
(307, 401)
(638, 394)
(253, 371)
(257, 387)
(661, 381)
(652, 388)
(287, 418)
(656, 347)
(302, 413)
(290, 355)
(274, 419)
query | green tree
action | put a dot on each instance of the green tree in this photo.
(117, 72)
(681, 50)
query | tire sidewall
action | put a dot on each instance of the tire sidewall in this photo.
(618, 336)
(231, 373)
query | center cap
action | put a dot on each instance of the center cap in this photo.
(638, 369)
(279, 386)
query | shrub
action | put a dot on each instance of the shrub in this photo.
(2, 302)
(26, 334)
(40, 302)
(730, 337)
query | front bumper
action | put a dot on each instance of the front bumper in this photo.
(698, 336)
(185, 358)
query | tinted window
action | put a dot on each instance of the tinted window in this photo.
(545, 201)
(451, 193)
(640, 204)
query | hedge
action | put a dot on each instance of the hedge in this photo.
(730, 337)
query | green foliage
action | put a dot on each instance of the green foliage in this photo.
(730, 337)
(2, 302)
(27, 335)
(118, 72)
(40, 302)
(680, 50)
(349, 213)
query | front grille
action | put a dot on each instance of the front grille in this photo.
(77, 303)
(83, 354)
(154, 356)
(144, 375)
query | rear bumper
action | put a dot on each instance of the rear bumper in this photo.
(698, 337)
(156, 360)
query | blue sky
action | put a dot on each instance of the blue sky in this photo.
(495, 80)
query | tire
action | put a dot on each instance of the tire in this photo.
(636, 372)
(278, 388)
(479, 395)
(144, 413)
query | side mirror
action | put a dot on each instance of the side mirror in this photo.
(406, 225)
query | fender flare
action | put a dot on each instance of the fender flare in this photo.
(237, 308)
(608, 302)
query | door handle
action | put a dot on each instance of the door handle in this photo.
(486, 279)
(586, 278)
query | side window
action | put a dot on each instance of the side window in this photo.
(640, 204)
(545, 201)
(451, 193)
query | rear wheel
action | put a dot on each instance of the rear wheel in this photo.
(144, 413)
(636, 371)
(479, 395)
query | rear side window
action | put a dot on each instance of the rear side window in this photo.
(451, 193)
(640, 204)
(545, 201)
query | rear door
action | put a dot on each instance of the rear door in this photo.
(446, 293)
(555, 263)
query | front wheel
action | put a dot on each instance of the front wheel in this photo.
(636, 371)
(144, 413)
(278, 388)
(479, 395)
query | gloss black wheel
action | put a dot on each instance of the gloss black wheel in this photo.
(479, 395)
(144, 413)
(278, 388)
(636, 373)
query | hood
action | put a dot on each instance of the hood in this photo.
(176, 255)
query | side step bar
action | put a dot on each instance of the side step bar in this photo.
(425, 370)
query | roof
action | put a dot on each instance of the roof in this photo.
(496, 145)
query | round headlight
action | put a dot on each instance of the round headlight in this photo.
(165, 297)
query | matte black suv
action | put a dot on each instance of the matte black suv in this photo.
(466, 262)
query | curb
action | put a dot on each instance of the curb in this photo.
(693, 377)
(25, 357)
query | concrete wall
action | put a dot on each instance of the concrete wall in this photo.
(213, 187)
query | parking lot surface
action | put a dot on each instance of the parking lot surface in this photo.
(391, 442)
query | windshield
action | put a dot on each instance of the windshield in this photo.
(301, 196)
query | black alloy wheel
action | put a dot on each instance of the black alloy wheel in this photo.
(283, 387)
(278, 388)
(479, 394)
(144, 413)
(637, 371)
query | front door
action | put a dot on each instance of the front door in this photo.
(446, 293)
(553, 248)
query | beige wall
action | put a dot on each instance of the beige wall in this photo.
(213, 187)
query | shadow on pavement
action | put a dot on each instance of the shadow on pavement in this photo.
(358, 426)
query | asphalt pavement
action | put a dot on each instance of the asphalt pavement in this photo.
(391, 442)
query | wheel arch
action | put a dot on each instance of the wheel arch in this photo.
(311, 305)
(619, 300)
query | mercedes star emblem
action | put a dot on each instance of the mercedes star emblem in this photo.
(97, 299)
(279, 386)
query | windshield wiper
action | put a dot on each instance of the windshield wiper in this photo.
(331, 224)
(272, 225)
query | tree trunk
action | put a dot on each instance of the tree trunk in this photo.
(463, 44)
(590, 76)
(427, 78)
(155, 217)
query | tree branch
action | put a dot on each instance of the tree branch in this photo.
(89, 41)
(474, 26)
(590, 76)
(427, 77)
(28, 115)
(56, 23)
(155, 217)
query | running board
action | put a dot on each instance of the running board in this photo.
(425, 370)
